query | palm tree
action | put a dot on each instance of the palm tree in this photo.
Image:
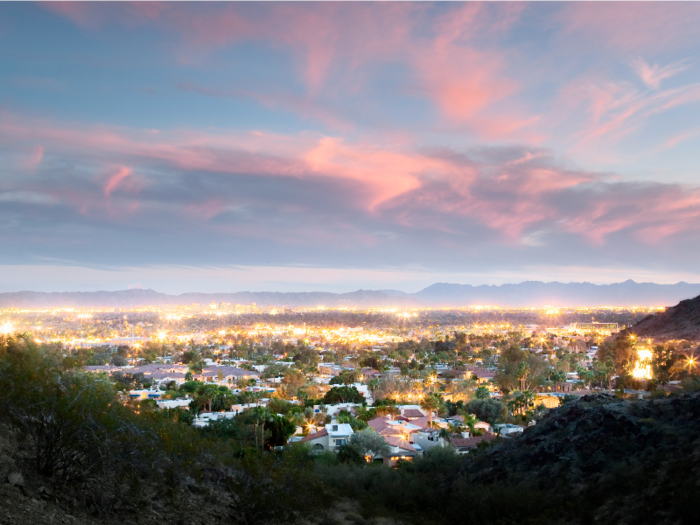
(245, 397)
(446, 434)
(373, 386)
(470, 421)
(430, 403)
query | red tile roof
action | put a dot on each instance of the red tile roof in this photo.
(320, 433)
(472, 442)
(400, 443)
(421, 421)
(378, 423)
(412, 412)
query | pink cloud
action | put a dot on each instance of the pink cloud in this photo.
(678, 138)
(512, 194)
(337, 47)
(116, 179)
(653, 74)
(35, 158)
(616, 109)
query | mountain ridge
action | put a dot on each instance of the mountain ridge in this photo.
(678, 322)
(525, 294)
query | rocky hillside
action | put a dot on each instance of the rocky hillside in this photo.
(679, 322)
(612, 461)
(596, 460)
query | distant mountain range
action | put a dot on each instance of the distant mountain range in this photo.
(531, 293)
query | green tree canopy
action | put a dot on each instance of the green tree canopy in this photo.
(370, 443)
(343, 394)
(487, 409)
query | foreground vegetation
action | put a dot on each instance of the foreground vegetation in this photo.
(599, 459)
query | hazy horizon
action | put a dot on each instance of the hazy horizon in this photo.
(217, 283)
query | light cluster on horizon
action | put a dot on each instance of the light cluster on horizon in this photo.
(216, 323)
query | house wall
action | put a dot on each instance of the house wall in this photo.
(425, 443)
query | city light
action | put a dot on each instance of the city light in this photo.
(7, 328)
(642, 368)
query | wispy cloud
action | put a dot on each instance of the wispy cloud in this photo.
(114, 180)
(653, 74)
(511, 192)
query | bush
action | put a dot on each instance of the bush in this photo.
(351, 454)
(487, 409)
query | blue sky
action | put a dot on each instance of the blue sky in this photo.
(334, 146)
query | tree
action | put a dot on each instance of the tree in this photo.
(603, 372)
(486, 409)
(292, 381)
(431, 403)
(351, 454)
(470, 421)
(521, 401)
(118, 360)
(482, 393)
(620, 352)
(346, 377)
(188, 356)
(196, 366)
(343, 394)
(373, 386)
(345, 416)
(523, 373)
(370, 443)
(281, 429)
(662, 361)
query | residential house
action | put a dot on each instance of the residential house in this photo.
(508, 430)
(428, 438)
(411, 412)
(455, 374)
(226, 375)
(399, 450)
(331, 437)
(464, 445)
(482, 375)
(329, 369)
(370, 373)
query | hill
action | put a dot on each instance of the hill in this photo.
(598, 459)
(526, 294)
(679, 322)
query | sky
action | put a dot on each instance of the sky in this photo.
(337, 146)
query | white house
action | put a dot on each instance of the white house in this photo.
(175, 403)
(331, 437)
(203, 420)
(427, 438)
(507, 428)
